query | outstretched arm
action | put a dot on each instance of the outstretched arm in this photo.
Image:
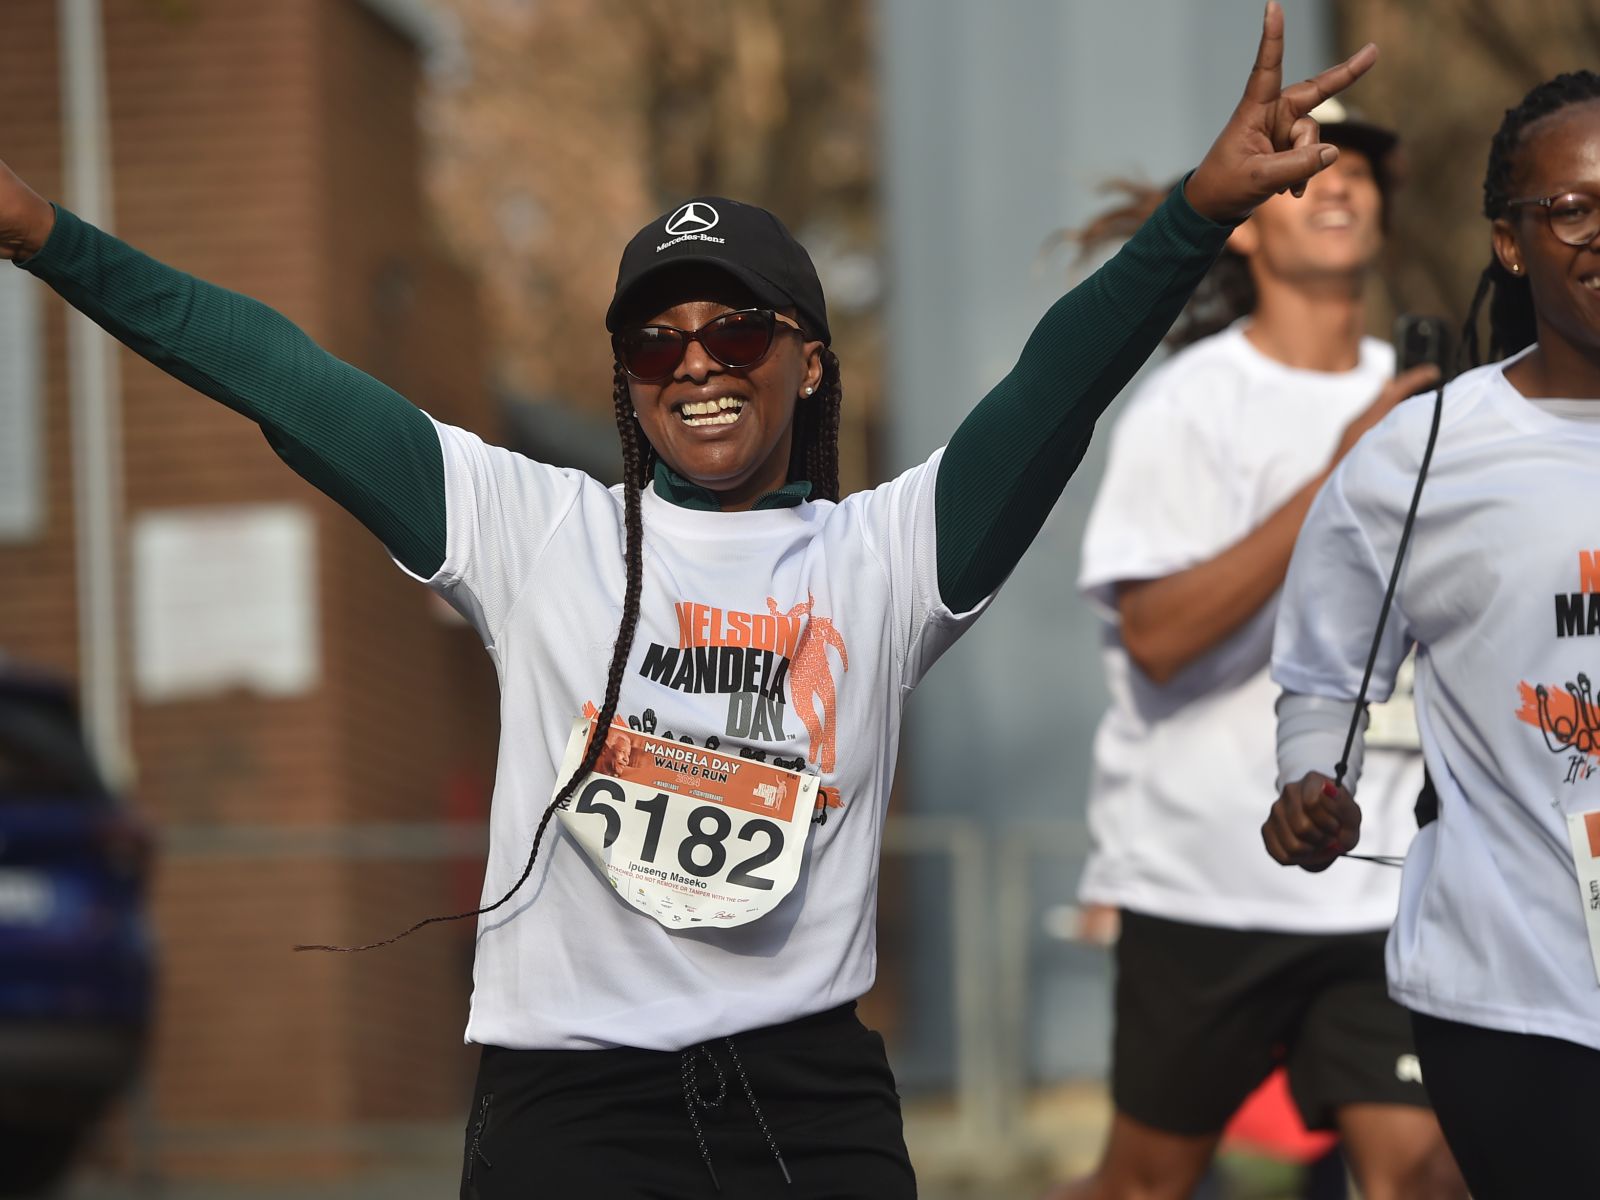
(1008, 462)
(363, 444)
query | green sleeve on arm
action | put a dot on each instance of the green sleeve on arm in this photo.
(1007, 463)
(365, 445)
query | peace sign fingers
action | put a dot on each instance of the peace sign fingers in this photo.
(1297, 101)
(1265, 84)
(1270, 143)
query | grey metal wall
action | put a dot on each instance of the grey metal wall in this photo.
(1001, 119)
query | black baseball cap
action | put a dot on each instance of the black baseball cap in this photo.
(746, 241)
(1343, 126)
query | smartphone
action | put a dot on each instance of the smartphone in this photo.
(1422, 339)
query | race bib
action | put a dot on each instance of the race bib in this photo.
(687, 835)
(1583, 830)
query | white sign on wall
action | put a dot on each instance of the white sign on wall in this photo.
(225, 598)
(21, 406)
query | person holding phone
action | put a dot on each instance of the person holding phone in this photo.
(1227, 968)
(1496, 949)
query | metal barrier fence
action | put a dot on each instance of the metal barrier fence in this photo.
(980, 1137)
(994, 928)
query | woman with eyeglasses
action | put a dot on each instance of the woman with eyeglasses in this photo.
(1227, 968)
(1496, 950)
(665, 996)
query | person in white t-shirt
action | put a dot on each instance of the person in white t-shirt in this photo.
(665, 996)
(1226, 966)
(1496, 949)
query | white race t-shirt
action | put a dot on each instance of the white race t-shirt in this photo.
(793, 632)
(1501, 594)
(1216, 440)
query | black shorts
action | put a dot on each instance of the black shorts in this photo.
(617, 1123)
(1203, 1015)
(1518, 1110)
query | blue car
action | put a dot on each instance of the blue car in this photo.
(76, 964)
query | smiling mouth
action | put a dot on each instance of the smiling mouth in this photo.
(1332, 220)
(699, 414)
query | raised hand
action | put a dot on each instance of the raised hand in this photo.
(25, 217)
(1269, 143)
(1312, 823)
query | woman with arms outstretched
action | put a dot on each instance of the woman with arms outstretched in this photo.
(665, 996)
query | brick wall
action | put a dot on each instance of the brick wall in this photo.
(37, 601)
(273, 148)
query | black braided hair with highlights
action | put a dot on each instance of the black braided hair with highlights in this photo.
(1511, 313)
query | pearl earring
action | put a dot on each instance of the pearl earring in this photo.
(807, 391)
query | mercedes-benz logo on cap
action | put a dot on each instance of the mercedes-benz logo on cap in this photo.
(693, 217)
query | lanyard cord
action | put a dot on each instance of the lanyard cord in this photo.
(1343, 766)
(1383, 860)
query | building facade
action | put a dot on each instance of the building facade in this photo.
(326, 779)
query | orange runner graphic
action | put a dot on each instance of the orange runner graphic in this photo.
(811, 681)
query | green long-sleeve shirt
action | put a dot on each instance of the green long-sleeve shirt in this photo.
(378, 455)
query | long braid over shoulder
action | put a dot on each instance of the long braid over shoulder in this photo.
(1511, 314)
(638, 458)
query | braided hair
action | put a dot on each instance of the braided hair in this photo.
(1510, 297)
(813, 456)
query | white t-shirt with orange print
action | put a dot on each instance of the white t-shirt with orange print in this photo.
(1500, 592)
(793, 634)
(1215, 440)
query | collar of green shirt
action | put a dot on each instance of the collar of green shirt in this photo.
(675, 489)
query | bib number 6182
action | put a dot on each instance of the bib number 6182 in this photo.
(702, 850)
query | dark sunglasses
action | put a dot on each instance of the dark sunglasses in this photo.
(651, 353)
(1574, 217)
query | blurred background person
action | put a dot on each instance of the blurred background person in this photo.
(1225, 967)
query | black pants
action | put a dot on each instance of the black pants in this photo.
(651, 1125)
(1520, 1112)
